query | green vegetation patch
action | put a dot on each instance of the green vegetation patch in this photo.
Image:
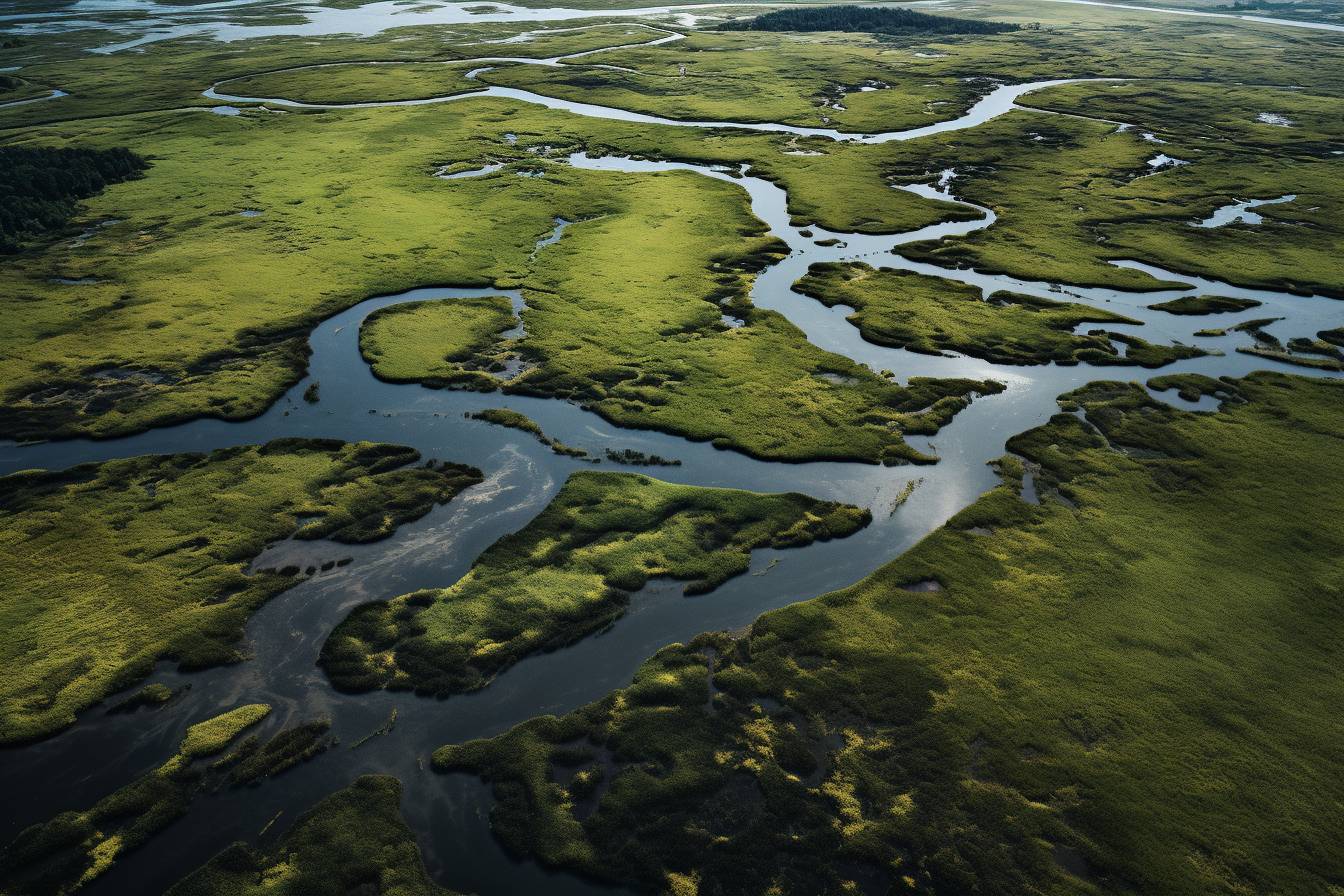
(515, 420)
(354, 841)
(61, 856)
(252, 762)
(1073, 195)
(111, 567)
(214, 735)
(1192, 305)
(566, 575)
(441, 342)
(40, 186)
(870, 19)
(654, 353)
(1136, 678)
(358, 82)
(153, 338)
(932, 315)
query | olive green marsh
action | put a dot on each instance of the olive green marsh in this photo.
(929, 315)
(112, 567)
(353, 841)
(1135, 674)
(567, 575)
(63, 855)
(622, 311)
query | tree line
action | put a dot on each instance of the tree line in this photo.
(874, 20)
(40, 186)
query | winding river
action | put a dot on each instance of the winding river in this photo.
(449, 812)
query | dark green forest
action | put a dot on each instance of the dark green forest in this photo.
(39, 186)
(864, 19)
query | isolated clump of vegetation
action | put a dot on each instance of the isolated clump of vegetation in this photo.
(568, 574)
(252, 762)
(515, 420)
(151, 695)
(61, 856)
(866, 19)
(111, 567)
(631, 457)
(1195, 305)
(440, 343)
(40, 186)
(1030, 706)
(354, 841)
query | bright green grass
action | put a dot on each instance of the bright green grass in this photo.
(112, 567)
(173, 74)
(1074, 200)
(566, 575)
(211, 736)
(930, 315)
(354, 841)
(623, 314)
(191, 348)
(63, 855)
(439, 342)
(358, 82)
(1140, 670)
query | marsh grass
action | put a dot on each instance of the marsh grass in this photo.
(112, 567)
(1090, 675)
(568, 574)
(1073, 195)
(515, 420)
(1197, 305)
(359, 82)
(61, 856)
(156, 340)
(353, 841)
(931, 315)
(442, 342)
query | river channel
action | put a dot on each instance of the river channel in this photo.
(449, 813)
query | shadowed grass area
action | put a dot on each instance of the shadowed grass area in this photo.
(1133, 680)
(566, 575)
(61, 856)
(111, 567)
(354, 841)
(929, 315)
(1196, 305)
(865, 19)
(442, 342)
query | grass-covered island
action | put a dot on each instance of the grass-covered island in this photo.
(930, 314)
(1129, 686)
(568, 574)
(112, 567)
